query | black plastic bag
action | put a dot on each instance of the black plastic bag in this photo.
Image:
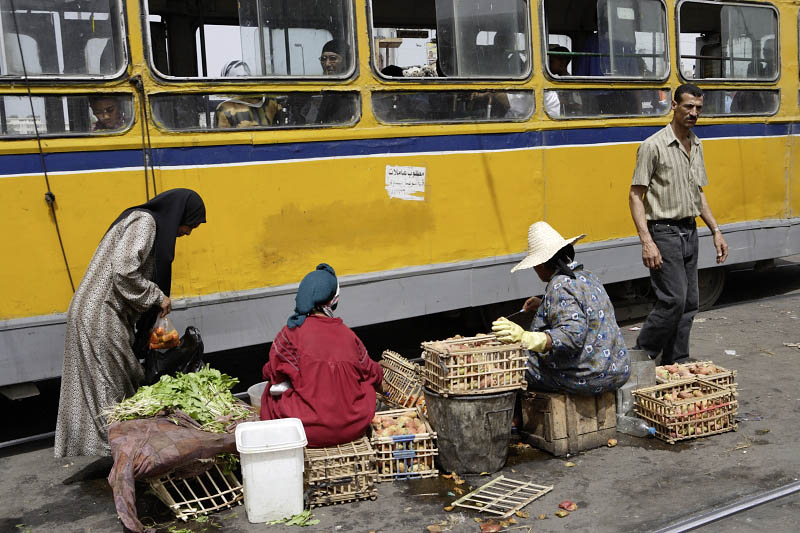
(186, 357)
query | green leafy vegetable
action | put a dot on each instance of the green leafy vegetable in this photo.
(204, 395)
(303, 519)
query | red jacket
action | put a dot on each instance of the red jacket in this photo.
(333, 381)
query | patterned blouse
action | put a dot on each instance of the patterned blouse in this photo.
(588, 354)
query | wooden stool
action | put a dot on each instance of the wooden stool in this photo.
(567, 423)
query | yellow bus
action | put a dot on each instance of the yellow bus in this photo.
(409, 144)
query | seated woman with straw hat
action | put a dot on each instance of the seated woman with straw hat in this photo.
(575, 345)
(319, 370)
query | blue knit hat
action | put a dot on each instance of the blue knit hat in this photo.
(318, 287)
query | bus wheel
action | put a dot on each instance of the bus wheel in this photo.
(710, 283)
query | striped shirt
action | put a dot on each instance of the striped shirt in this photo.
(673, 177)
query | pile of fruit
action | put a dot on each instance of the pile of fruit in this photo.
(446, 346)
(702, 410)
(689, 370)
(406, 423)
(391, 425)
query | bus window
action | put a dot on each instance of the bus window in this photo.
(404, 107)
(727, 41)
(265, 38)
(64, 115)
(69, 39)
(606, 38)
(723, 102)
(563, 104)
(206, 112)
(454, 39)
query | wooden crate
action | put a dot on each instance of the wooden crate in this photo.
(722, 377)
(403, 381)
(568, 423)
(687, 418)
(193, 496)
(402, 457)
(473, 365)
(342, 473)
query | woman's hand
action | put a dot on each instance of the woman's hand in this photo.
(532, 304)
(166, 306)
(508, 332)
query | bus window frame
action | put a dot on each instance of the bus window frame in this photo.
(122, 73)
(348, 76)
(160, 127)
(444, 79)
(699, 81)
(543, 32)
(83, 134)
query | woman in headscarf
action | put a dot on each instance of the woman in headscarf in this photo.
(331, 379)
(575, 344)
(125, 288)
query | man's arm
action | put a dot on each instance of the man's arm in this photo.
(651, 257)
(708, 218)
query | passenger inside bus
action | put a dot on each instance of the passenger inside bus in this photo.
(334, 57)
(558, 67)
(245, 112)
(318, 370)
(333, 109)
(755, 102)
(108, 112)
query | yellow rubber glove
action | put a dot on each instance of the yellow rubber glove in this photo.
(509, 332)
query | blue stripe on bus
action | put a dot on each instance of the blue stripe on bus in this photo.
(221, 155)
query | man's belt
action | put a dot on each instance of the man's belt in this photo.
(687, 222)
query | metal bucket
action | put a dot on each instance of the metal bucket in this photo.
(473, 431)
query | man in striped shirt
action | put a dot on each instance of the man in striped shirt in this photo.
(666, 197)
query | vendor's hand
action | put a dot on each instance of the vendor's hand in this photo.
(509, 332)
(651, 256)
(721, 246)
(166, 306)
(506, 330)
(532, 304)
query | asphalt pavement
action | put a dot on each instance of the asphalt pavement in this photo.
(639, 485)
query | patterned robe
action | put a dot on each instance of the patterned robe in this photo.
(588, 355)
(99, 365)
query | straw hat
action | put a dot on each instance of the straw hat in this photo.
(543, 243)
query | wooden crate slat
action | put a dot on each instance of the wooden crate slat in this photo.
(453, 367)
(401, 451)
(342, 473)
(712, 413)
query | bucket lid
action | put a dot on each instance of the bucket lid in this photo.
(270, 435)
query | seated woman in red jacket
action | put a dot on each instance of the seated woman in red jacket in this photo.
(330, 377)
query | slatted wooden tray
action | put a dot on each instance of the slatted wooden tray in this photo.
(502, 496)
(211, 491)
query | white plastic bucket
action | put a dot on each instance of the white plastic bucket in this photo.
(272, 467)
(255, 393)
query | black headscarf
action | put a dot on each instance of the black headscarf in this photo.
(561, 262)
(170, 209)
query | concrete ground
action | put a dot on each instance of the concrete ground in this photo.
(640, 485)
